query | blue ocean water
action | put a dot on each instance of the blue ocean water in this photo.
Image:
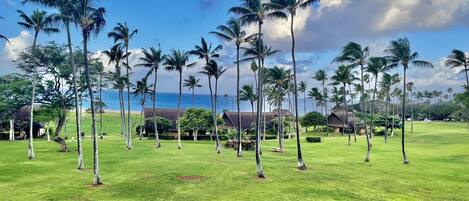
(170, 100)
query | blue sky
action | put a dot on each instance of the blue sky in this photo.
(433, 27)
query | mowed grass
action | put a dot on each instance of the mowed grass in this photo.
(438, 152)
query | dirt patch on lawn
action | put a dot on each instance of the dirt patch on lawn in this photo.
(189, 178)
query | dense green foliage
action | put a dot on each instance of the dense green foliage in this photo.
(163, 125)
(314, 119)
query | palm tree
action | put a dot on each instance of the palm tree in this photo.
(207, 53)
(278, 77)
(458, 59)
(322, 77)
(344, 75)
(400, 54)
(191, 83)
(410, 87)
(386, 84)
(39, 21)
(233, 32)
(91, 20)
(214, 70)
(152, 59)
(302, 86)
(357, 56)
(178, 60)
(123, 33)
(254, 11)
(292, 6)
(66, 16)
(116, 55)
(2, 36)
(142, 89)
(450, 93)
(247, 94)
(376, 65)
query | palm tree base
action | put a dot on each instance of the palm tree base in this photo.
(367, 160)
(260, 172)
(301, 165)
(406, 162)
(158, 145)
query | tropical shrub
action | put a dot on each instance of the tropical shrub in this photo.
(163, 124)
(313, 139)
(314, 119)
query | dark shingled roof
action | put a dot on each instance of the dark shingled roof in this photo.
(171, 114)
(247, 119)
(23, 113)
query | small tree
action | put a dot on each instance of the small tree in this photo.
(314, 119)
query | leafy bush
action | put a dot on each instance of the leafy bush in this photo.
(313, 139)
(198, 119)
(163, 124)
(381, 121)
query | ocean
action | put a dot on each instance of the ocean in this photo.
(170, 100)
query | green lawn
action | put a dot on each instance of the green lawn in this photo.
(438, 152)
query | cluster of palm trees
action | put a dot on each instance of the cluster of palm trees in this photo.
(272, 85)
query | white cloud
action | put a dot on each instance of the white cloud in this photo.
(12, 50)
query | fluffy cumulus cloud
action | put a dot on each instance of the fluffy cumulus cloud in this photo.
(439, 77)
(12, 50)
(336, 22)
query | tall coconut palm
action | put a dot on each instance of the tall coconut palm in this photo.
(232, 32)
(459, 59)
(206, 52)
(191, 83)
(66, 16)
(278, 77)
(152, 59)
(385, 84)
(255, 11)
(124, 34)
(247, 94)
(302, 86)
(357, 56)
(116, 55)
(322, 77)
(39, 21)
(376, 65)
(215, 71)
(399, 53)
(410, 87)
(292, 6)
(91, 21)
(2, 36)
(142, 89)
(178, 60)
(345, 76)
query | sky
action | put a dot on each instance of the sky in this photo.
(434, 27)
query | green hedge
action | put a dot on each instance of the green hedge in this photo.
(313, 139)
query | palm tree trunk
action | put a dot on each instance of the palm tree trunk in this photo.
(367, 158)
(96, 177)
(193, 97)
(31, 155)
(101, 106)
(280, 119)
(179, 145)
(467, 76)
(386, 120)
(301, 164)
(260, 171)
(373, 110)
(212, 105)
(129, 130)
(353, 116)
(141, 115)
(80, 165)
(155, 124)
(393, 114)
(215, 114)
(345, 120)
(239, 153)
(326, 110)
(12, 130)
(403, 118)
(123, 117)
(411, 113)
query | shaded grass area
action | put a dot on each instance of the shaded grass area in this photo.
(438, 153)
